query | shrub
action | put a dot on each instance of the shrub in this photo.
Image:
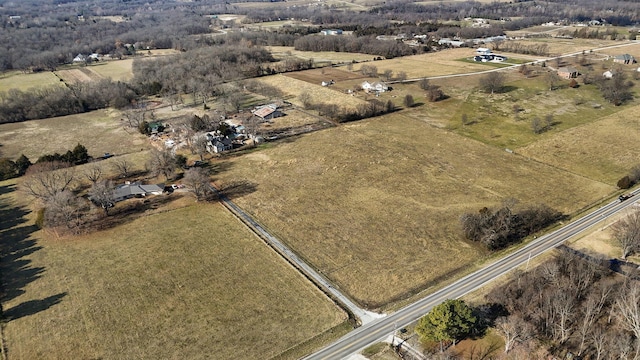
(625, 182)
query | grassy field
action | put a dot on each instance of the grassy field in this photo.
(604, 150)
(322, 56)
(492, 117)
(118, 70)
(375, 204)
(430, 64)
(293, 88)
(99, 131)
(189, 283)
(22, 81)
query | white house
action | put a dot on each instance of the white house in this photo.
(608, 74)
(376, 86)
(79, 58)
(483, 51)
(331, 32)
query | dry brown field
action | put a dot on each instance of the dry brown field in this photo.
(78, 75)
(375, 204)
(99, 131)
(117, 70)
(24, 82)
(320, 56)
(430, 64)
(317, 76)
(604, 150)
(191, 283)
(294, 87)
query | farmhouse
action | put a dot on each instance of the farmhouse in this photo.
(136, 189)
(624, 59)
(268, 112)
(79, 58)
(567, 72)
(377, 87)
(483, 51)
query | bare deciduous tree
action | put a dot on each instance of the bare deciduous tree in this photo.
(200, 146)
(514, 330)
(388, 74)
(626, 231)
(162, 163)
(123, 167)
(45, 180)
(93, 173)
(198, 182)
(401, 76)
(64, 208)
(627, 307)
(492, 82)
(102, 194)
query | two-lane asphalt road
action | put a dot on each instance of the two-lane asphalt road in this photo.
(377, 330)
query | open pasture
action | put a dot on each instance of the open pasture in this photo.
(374, 205)
(116, 70)
(99, 131)
(430, 64)
(294, 87)
(604, 150)
(492, 118)
(319, 56)
(21, 81)
(188, 283)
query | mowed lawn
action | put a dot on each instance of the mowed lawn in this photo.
(99, 131)
(604, 150)
(116, 70)
(375, 204)
(191, 283)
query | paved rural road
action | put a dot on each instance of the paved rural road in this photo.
(363, 315)
(378, 330)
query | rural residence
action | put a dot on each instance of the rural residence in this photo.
(624, 59)
(483, 51)
(375, 87)
(608, 74)
(567, 72)
(136, 189)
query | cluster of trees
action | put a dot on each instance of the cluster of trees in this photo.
(57, 188)
(434, 93)
(334, 112)
(347, 43)
(200, 71)
(589, 33)
(17, 105)
(520, 48)
(503, 226)
(10, 169)
(630, 179)
(569, 305)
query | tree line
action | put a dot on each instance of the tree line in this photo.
(347, 43)
(571, 306)
(17, 105)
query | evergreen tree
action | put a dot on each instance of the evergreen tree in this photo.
(22, 164)
(452, 320)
